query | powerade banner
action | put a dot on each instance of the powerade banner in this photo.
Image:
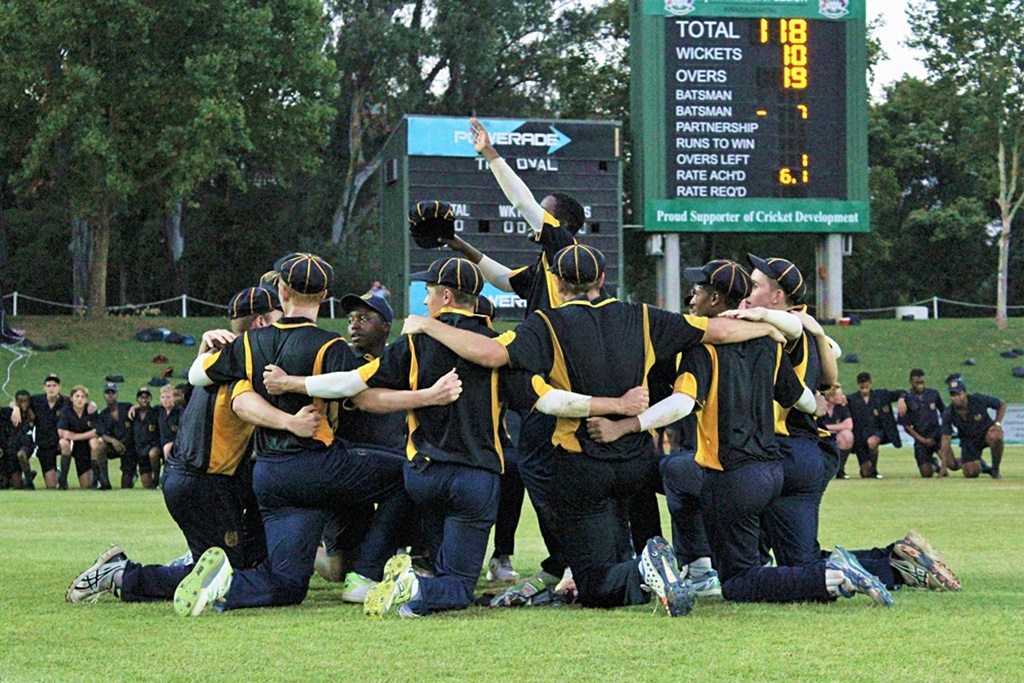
(441, 136)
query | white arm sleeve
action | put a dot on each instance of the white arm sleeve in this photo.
(788, 324)
(564, 404)
(666, 411)
(837, 351)
(518, 193)
(197, 374)
(495, 273)
(807, 403)
(335, 384)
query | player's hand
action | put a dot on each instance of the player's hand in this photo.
(15, 416)
(275, 380)
(634, 401)
(215, 339)
(603, 430)
(811, 326)
(901, 406)
(306, 422)
(415, 324)
(447, 389)
(118, 446)
(479, 135)
(928, 441)
(820, 405)
(755, 315)
(775, 334)
(995, 432)
(131, 413)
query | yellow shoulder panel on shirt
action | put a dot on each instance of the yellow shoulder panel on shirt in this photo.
(370, 369)
(686, 384)
(241, 387)
(506, 338)
(210, 360)
(698, 321)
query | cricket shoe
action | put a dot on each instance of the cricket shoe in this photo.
(659, 573)
(99, 578)
(856, 579)
(914, 548)
(356, 588)
(207, 583)
(395, 588)
(500, 569)
(708, 585)
(913, 575)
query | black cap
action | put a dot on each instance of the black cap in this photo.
(143, 390)
(252, 301)
(457, 273)
(957, 385)
(784, 272)
(484, 306)
(305, 273)
(109, 386)
(578, 264)
(726, 276)
(52, 377)
(349, 302)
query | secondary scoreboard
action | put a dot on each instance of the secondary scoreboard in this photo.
(751, 115)
(580, 158)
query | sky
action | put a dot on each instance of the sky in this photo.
(902, 60)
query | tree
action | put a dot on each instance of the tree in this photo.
(975, 53)
(135, 102)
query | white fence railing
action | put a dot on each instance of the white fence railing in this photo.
(184, 299)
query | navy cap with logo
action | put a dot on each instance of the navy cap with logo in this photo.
(351, 302)
(143, 390)
(456, 273)
(957, 385)
(109, 387)
(578, 264)
(52, 377)
(784, 272)
(253, 301)
(305, 273)
(726, 276)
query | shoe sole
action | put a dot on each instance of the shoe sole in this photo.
(111, 552)
(942, 577)
(380, 598)
(510, 578)
(677, 597)
(190, 597)
(864, 581)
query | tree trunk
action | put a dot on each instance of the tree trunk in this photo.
(176, 249)
(1004, 272)
(81, 248)
(98, 268)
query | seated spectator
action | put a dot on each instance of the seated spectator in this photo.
(969, 414)
(873, 423)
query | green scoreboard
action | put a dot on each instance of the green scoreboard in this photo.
(750, 115)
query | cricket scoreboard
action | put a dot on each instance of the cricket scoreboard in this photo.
(751, 115)
(432, 157)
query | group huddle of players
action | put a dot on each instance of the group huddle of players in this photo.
(592, 378)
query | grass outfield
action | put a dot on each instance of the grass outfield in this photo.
(973, 635)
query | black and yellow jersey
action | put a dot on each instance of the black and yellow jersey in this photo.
(464, 432)
(535, 283)
(300, 348)
(735, 387)
(804, 357)
(211, 438)
(600, 347)
(362, 428)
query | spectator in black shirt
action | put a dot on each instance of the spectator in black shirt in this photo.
(114, 438)
(76, 431)
(838, 421)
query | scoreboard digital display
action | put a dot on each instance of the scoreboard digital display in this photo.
(579, 158)
(756, 120)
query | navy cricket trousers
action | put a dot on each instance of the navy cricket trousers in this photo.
(460, 504)
(791, 520)
(732, 502)
(295, 493)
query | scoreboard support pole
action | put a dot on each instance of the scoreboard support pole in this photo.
(829, 277)
(673, 282)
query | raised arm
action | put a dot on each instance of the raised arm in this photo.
(494, 272)
(512, 185)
